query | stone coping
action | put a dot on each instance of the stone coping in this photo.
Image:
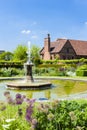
(47, 78)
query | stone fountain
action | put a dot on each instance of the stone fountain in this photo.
(28, 82)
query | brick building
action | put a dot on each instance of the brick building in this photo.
(63, 49)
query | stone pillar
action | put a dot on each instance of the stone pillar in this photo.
(28, 72)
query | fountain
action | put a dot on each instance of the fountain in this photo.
(28, 82)
(28, 67)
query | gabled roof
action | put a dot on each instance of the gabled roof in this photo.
(80, 47)
(55, 46)
(58, 45)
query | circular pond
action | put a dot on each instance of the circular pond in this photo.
(61, 89)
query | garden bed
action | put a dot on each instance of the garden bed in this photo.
(22, 113)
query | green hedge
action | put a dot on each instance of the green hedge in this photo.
(82, 70)
(81, 73)
(74, 61)
(7, 64)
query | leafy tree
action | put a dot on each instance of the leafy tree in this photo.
(20, 53)
(6, 56)
(35, 56)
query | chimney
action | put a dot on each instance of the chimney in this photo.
(47, 48)
(47, 43)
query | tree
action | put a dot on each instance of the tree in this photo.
(35, 56)
(6, 56)
(20, 53)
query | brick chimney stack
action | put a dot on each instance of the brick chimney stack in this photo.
(47, 48)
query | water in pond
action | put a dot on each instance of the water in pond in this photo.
(62, 89)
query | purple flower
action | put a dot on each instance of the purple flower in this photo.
(29, 110)
(19, 99)
(28, 117)
(30, 101)
(18, 95)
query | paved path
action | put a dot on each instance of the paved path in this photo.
(63, 78)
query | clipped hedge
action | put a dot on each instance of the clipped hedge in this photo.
(81, 73)
(14, 64)
(82, 70)
(73, 61)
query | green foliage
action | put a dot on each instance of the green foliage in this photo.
(55, 61)
(35, 51)
(35, 56)
(11, 72)
(82, 70)
(54, 115)
(7, 64)
(81, 73)
(6, 56)
(37, 61)
(62, 115)
(10, 116)
(20, 53)
(51, 65)
(70, 62)
(48, 71)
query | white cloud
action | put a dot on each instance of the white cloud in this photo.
(25, 31)
(34, 37)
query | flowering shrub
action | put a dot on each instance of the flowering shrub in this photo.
(22, 113)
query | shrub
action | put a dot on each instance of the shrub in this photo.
(4, 72)
(82, 70)
(81, 73)
(15, 71)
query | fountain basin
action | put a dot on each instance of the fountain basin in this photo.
(29, 85)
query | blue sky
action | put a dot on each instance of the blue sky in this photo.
(31, 20)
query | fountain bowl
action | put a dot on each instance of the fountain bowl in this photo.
(28, 85)
(29, 82)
